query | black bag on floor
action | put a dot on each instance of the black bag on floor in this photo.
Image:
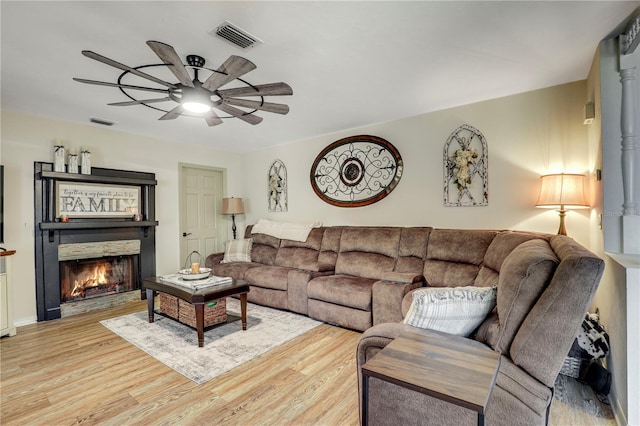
(597, 377)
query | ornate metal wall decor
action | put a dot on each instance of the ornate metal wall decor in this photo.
(466, 162)
(277, 187)
(356, 171)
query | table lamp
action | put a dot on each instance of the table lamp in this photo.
(232, 206)
(562, 191)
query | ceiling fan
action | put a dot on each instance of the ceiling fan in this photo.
(193, 97)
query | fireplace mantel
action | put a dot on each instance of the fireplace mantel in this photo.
(51, 232)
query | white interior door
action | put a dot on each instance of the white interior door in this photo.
(201, 228)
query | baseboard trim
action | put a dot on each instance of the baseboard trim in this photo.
(618, 412)
(25, 321)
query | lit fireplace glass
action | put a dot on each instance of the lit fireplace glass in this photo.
(88, 278)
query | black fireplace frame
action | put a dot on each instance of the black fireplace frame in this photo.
(50, 232)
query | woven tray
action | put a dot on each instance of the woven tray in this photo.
(215, 312)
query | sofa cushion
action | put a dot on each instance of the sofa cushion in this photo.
(503, 244)
(457, 310)
(330, 245)
(524, 274)
(346, 290)
(294, 254)
(237, 251)
(235, 269)
(412, 250)
(368, 252)
(265, 249)
(447, 265)
(275, 277)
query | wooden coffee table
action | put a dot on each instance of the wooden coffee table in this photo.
(197, 298)
(451, 368)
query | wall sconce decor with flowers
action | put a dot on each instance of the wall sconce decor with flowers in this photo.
(466, 162)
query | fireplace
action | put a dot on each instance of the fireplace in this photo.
(88, 278)
(83, 259)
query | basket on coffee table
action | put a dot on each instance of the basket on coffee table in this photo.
(215, 312)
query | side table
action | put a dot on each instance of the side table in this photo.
(450, 368)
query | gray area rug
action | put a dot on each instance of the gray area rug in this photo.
(581, 397)
(225, 347)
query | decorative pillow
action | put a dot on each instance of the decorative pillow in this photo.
(453, 310)
(237, 251)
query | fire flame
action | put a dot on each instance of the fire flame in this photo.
(91, 279)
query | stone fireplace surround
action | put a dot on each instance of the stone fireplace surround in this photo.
(50, 233)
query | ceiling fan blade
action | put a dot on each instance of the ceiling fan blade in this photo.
(212, 118)
(142, 101)
(124, 86)
(248, 118)
(271, 89)
(263, 106)
(171, 58)
(233, 67)
(174, 113)
(105, 60)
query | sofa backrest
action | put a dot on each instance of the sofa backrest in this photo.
(264, 248)
(412, 250)
(294, 254)
(330, 245)
(501, 246)
(546, 334)
(368, 252)
(454, 256)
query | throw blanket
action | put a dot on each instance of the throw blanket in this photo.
(283, 230)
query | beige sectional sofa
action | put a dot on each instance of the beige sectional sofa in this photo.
(363, 278)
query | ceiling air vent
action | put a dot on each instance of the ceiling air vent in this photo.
(235, 35)
(102, 121)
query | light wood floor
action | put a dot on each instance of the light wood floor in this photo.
(74, 370)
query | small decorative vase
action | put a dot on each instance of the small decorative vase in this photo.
(85, 162)
(72, 164)
(58, 158)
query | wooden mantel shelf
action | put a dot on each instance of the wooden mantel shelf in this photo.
(49, 226)
(94, 178)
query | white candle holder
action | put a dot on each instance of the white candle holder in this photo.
(85, 162)
(72, 164)
(58, 158)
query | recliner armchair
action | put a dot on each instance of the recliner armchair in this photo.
(544, 290)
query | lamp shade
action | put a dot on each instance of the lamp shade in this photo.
(562, 191)
(232, 206)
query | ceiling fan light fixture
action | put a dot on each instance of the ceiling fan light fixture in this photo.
(193, 97)
(196, 101)
(197, 107)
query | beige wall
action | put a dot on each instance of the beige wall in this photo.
(527, 135)
(27, 138)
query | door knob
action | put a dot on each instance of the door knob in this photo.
(184, 234)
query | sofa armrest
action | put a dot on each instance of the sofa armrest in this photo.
(213, 259)
(372, 341)
(402, 277)
(317, 267)
(387, 297)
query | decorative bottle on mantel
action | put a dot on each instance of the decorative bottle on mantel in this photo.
(58, 158)
(72, 164)
(85, 162)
